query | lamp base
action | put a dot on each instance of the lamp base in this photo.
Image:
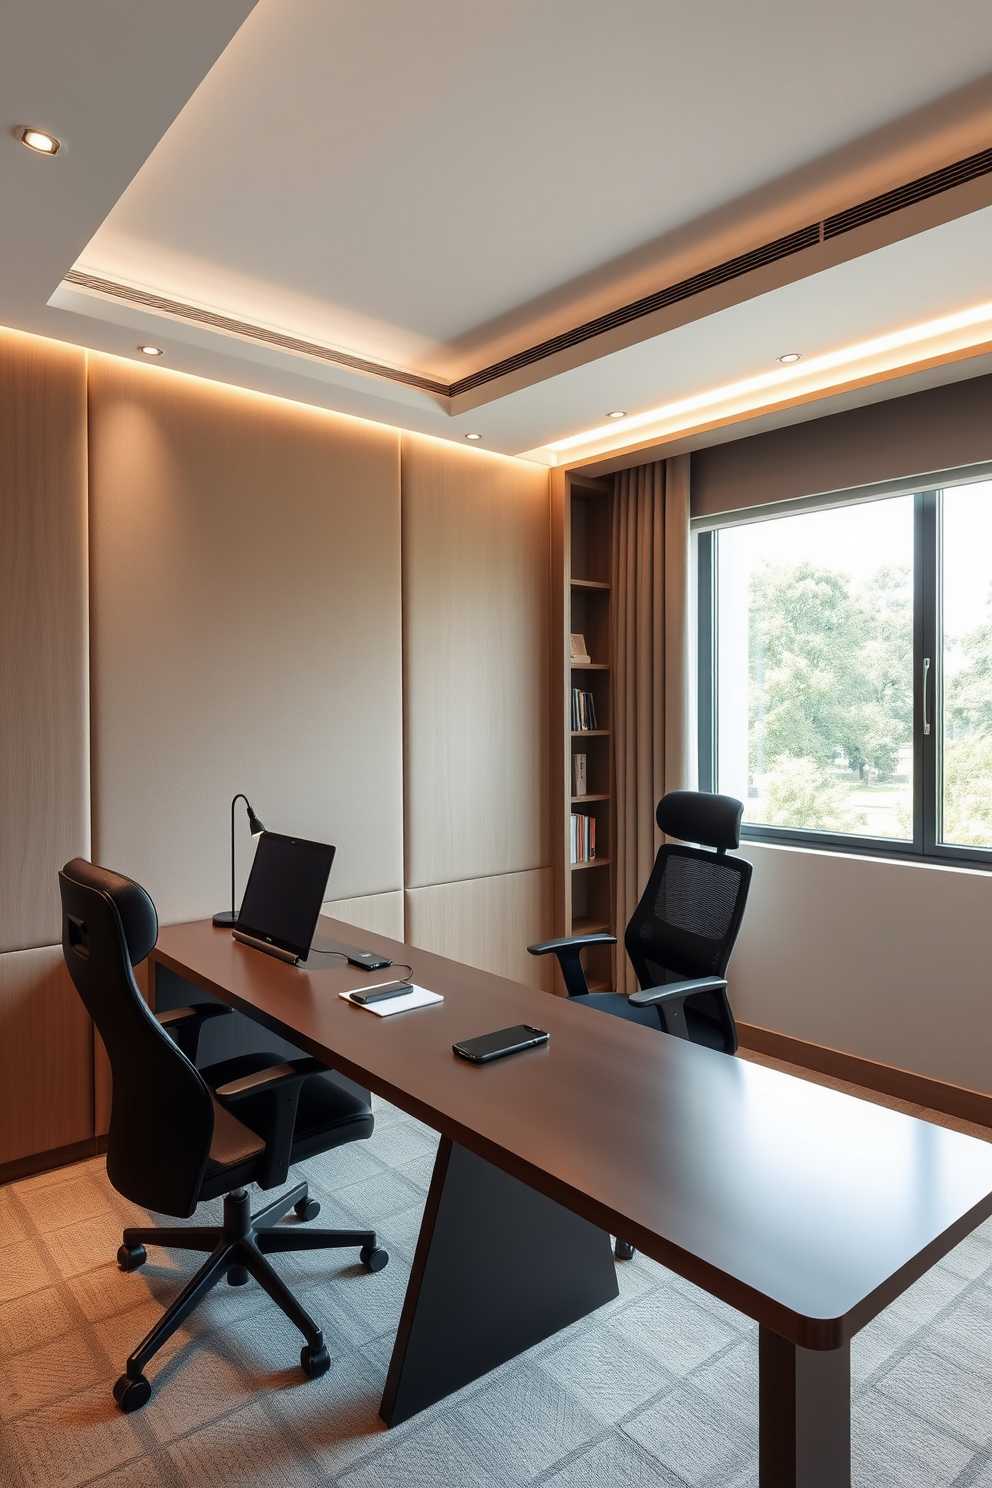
(226, 919)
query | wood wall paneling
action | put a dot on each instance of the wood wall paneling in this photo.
(379, 914)
(46, 1089)
(246, 633)
(486, 922)
(44, 723)
(476, 571)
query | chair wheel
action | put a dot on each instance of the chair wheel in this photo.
(307, 1209)
(132, 1394)
(129, 1258)
(314, 1362)
(237, 1276)
(623, 1251)
(374, 1258)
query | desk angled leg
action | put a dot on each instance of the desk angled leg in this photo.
(804, 1414)
(498, 1268)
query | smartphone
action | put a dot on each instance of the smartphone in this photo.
(380, 992)
(505, 1041)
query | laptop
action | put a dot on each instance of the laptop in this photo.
(286, 887)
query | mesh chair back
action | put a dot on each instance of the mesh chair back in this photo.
(688, 917)
(162, 1119)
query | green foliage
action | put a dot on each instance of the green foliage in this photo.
(831, 669)
(967, 818)
(968, 694)
(801, 794)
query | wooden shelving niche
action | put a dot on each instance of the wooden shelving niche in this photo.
(584, 899)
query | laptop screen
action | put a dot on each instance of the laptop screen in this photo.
(286, 887)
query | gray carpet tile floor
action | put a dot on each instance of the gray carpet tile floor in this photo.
(655, 1390)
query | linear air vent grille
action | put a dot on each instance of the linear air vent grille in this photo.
(684, 290)
(957, 174)
(254, 332)
(919, 190)
(905, 196)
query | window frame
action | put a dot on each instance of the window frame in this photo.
(925, 845)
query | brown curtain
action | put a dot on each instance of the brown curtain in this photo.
(652, 714)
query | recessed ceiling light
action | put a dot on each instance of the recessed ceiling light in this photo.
(969, 327)
(150, 350)
(37, 139)
(473, 436)
(791, 356)
(617, 413)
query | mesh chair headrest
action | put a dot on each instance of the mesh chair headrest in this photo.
(137, 912)
(698, 816)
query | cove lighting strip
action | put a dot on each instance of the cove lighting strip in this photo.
(784, 377)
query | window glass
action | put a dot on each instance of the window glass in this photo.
(966, 645)
(815, 669)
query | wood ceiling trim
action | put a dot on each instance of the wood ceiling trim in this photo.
(813, 236)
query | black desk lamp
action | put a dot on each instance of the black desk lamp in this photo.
(229, 917)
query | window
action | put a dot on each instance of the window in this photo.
(845, 680)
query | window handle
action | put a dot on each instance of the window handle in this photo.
(926, 678)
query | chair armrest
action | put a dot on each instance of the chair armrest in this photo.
(184, 1024)
(571, 942)
(267, 1101)
(675, 991)
(270, 1077)
(201, 1010)
(567, 948)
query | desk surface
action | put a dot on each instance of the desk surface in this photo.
(805, 1208)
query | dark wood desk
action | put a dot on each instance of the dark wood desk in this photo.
(808, 1210)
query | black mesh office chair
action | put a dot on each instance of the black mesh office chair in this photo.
(179, 1135)
(683, 930)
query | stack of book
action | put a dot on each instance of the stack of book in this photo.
(583, 838)
(583, 711)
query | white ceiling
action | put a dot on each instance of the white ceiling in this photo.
(438, 185)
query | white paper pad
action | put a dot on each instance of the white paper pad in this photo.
(416, 997)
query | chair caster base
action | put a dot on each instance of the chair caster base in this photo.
(132, 1394)
(623, 1251)
(237, 1276)
(129, 1258)
(306, 1209)
(374, 1258)
(314, 1362)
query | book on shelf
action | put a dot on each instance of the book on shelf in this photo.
(582, 838)
(579, 777)
(578, 650)
(583, 711)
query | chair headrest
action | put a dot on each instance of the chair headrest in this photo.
(134, 905)
(699, 816)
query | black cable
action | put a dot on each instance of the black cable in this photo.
(344, 955)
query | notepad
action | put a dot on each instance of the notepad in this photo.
(415, 998)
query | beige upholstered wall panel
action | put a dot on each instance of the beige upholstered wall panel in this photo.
(486, 922)
(246, 626)
(44, 726)
(380, 914)
(46, 1087)
(476, 569)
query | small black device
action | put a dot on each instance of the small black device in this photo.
(379, 994)
(369, 960)
(504, 1041)
(283, 896)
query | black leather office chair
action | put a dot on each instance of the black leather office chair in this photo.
(179, 1135)
(683, 930)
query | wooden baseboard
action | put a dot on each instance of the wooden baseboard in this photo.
(918, 1090)
(58, 1157)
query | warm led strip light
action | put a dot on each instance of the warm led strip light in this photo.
(782, 377)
